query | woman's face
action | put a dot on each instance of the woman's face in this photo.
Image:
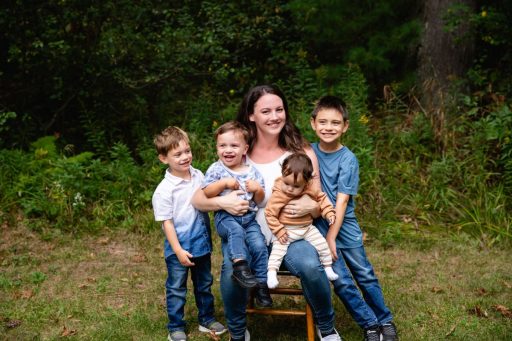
(269, 115)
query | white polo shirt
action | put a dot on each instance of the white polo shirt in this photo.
(171, 201)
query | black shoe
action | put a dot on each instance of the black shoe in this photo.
(372, 334)
(388, 332)
(262, 296)
(243, 276)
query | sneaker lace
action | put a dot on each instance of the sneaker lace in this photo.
(388, 329)
(371, 335)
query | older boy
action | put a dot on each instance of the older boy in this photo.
(188, 241)
(339, 175)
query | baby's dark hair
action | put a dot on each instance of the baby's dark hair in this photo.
(233, 126)
(298, 163)
(168, 139)
(330, 102)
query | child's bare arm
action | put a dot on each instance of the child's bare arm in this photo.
(170, 233)
(253, 186)
(334, 229)
(215, 188)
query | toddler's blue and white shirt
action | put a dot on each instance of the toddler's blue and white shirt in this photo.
(218, 171)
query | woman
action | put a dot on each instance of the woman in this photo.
(264, 111)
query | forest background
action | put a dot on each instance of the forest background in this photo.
(85, 85)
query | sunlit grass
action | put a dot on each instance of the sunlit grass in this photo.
(112, 287)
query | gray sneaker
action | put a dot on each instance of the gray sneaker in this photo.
(215, 327)
(178, 335)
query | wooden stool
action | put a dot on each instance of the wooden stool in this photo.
(251, 308)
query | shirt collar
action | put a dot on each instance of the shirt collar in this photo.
(177, 180)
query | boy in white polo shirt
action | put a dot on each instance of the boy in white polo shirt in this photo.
(188, 240)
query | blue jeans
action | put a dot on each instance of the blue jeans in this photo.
(302, 261)
(176, 291)
(244, 240)
(353, 267)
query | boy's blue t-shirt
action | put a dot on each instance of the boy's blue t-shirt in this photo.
(339, 173)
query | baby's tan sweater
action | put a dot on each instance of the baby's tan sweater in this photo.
(277, 220)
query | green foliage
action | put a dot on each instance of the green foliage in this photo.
(78, 192)
(103, 72)
(380, 36)
(464, 186)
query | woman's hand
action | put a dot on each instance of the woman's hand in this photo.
(233, 204)
(301, 207)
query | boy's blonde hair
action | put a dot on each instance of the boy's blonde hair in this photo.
(233, 126)
(168, 139)
(298, 163)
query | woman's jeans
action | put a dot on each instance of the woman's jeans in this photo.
(176, 291)
(244, 240)
(302, 261)
(353, 267)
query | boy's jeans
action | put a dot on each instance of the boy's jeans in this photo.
(353, 266)
(302, 261)
(244, 240)
(176, 291)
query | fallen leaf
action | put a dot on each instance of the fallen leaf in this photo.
(503, 310)
(406, 219)
(83, 286)
(481, 291)
(507, 284)
(139, 258)
(91, 279)
(67, 332)
(12, 323)
(26, 294)
(104, 240)
(452, 329)
(213, 336)
(478, 311)
(436, 290)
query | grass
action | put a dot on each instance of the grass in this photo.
(111, 287)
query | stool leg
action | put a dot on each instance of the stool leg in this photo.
(309, 323)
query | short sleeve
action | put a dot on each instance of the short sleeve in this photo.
(162, 206)
(212, 174)
(259, 178)
(348, 181)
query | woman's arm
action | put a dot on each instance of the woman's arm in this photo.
(230, 202)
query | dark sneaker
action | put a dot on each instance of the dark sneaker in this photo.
(388, 332)
(372, 334)
(262, 296)
(247, 337)
(178, 335)
(213, 327)
(243, 276)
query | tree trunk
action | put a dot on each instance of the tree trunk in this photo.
(443, 57)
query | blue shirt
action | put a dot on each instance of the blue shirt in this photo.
(339, 173)
(171, 201)
(218, 171)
